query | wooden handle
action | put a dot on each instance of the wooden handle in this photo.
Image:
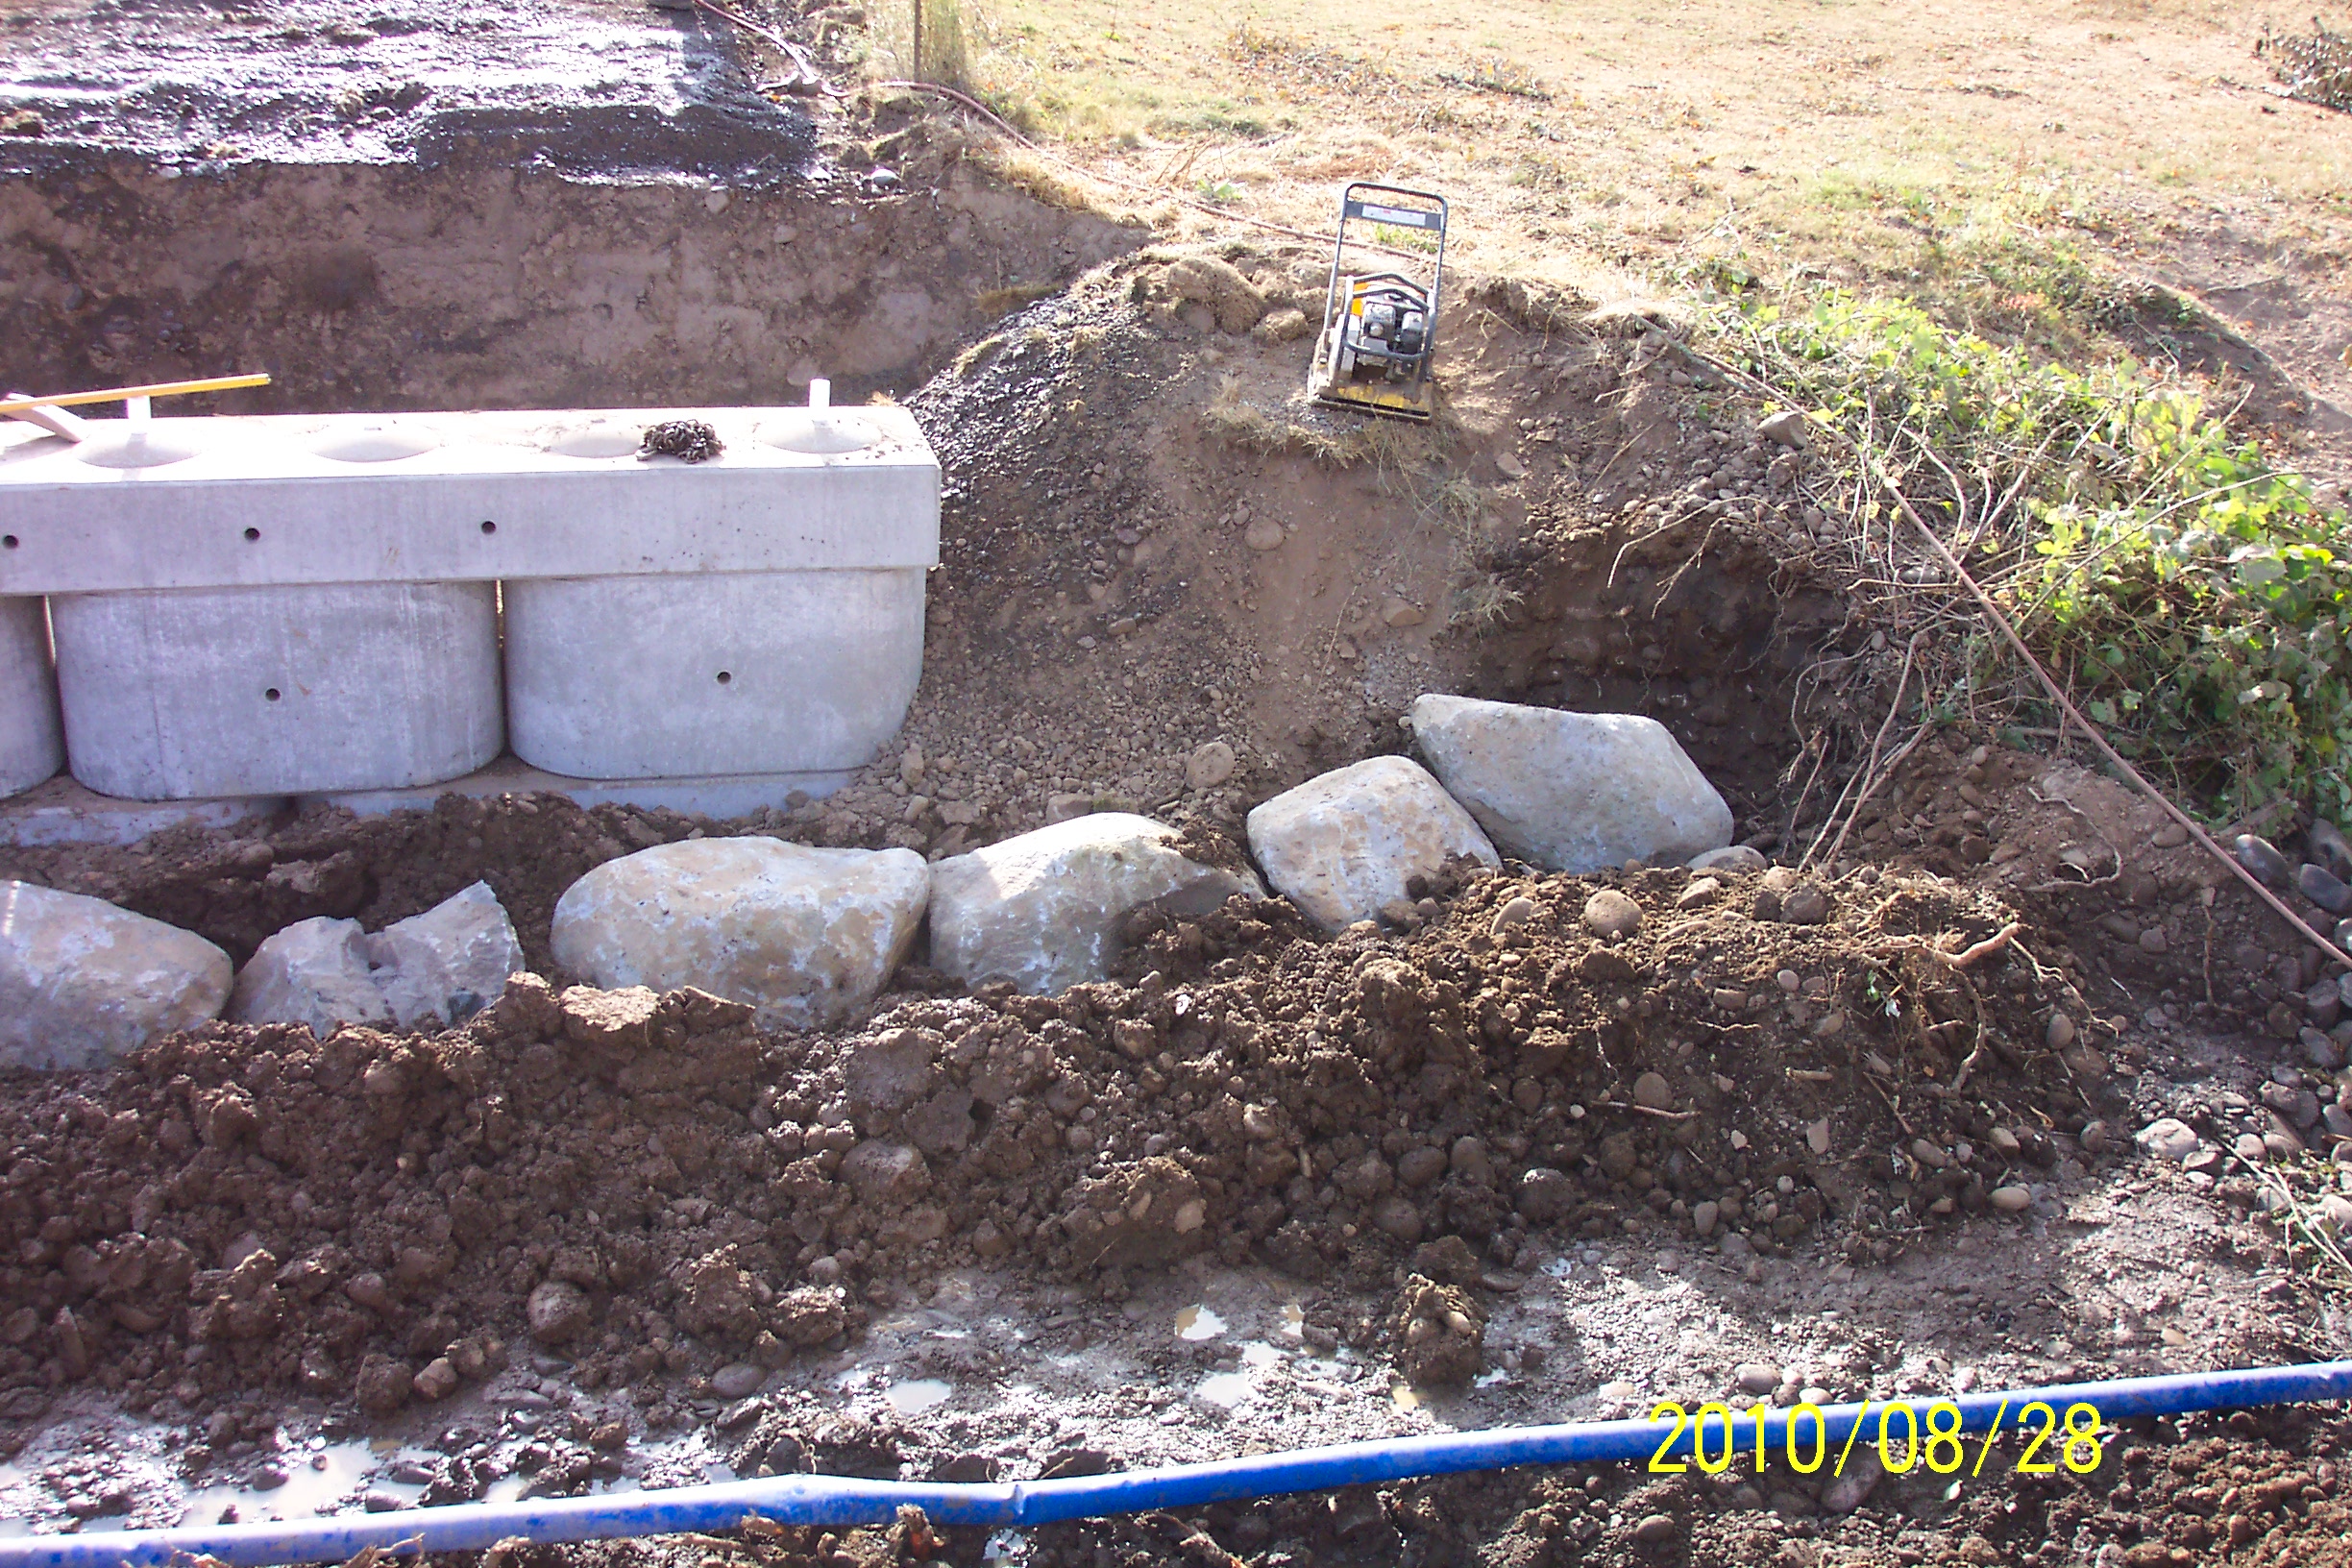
(161, 389)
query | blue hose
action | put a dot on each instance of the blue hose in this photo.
(836, 1501)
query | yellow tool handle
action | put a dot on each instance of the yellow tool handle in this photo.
(161, 389)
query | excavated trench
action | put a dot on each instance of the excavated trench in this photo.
(482, 284)
(255, 1273)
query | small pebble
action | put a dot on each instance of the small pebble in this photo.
(2010, 1200)
(1804, 904)
(1699, 893)
(1210, 766)
(1611, 916)
(738, 1379)
(2258, 856)
(1738, 859)
(1518, 912)
(2316, 883)
(1657, 1530)
(2329, 848)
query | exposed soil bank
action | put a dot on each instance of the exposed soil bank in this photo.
(482, 285)
(599, 88)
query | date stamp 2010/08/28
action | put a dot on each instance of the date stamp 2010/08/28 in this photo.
(1906, 1438)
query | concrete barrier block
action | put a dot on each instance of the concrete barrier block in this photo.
(752, 673)
(460, 497)
(278, 691)
(302, 605)
(32, 741)
(67, 811)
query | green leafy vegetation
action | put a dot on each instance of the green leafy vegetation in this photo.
(2189, 591)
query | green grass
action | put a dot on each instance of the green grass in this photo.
(2187, 587)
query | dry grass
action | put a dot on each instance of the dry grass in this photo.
(1870, 142)
(998, 302)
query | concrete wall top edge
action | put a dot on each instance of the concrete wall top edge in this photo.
(250, 447)
(285, 500)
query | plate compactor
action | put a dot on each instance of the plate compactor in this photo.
(1381, 328)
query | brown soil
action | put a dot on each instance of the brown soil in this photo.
(1152, 545)
(1328, 1106)
(1153, 542)
(245, 1219)
(2253, 1489)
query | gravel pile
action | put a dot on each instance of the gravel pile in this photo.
(2315, 66)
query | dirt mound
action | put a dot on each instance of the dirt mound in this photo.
(236, 888)
(653, 1185)
(1153, 543)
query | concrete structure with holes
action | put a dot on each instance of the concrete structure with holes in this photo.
(292, 605)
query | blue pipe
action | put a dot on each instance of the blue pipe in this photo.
(836, 1500)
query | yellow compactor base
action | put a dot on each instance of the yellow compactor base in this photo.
(1414, 402)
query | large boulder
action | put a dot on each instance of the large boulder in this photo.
(82, 983)
(428, 971)
(444, 965)
(1571, 791)
(1043, 909)
(1342, 845)
(807, 935)
(313, 973)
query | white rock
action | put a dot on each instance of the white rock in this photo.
(1043, 909)
(2169, 1139)
(1571, 791)
(1739, 859)
(807, 935)
(314, 972)
(441, 967)
(83, 982)
(1341, 845)
(1849, 1490)
(1210, 766)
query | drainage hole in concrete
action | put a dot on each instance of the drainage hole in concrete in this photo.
(725, 676)
(250, 534)
(489, 528)
(271, 694)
